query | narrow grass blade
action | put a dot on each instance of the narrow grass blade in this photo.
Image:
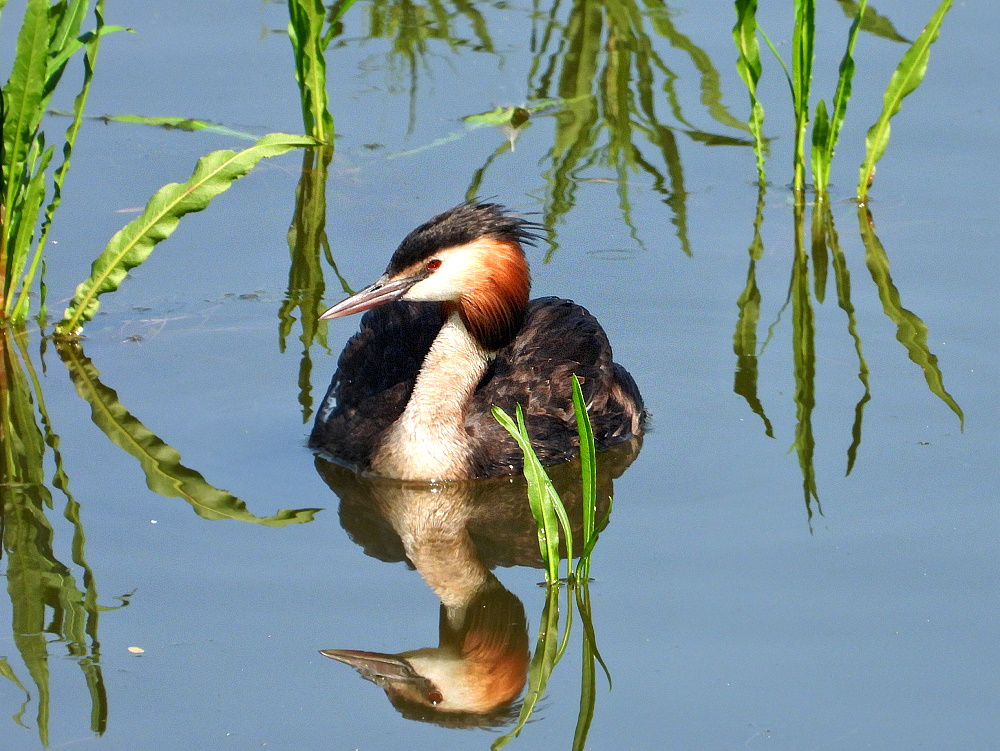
(170, 122)
(749, 67)
(908, 75)
(22, 112)
(90, 43)
(306, 19)
(841, 96)
(822, 153)
(911, 331)
(214, 174)
(803, 38)
(160, 462)
(588, 460)
(30, 204)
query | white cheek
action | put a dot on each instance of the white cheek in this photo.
(449, 282)
(430, 289)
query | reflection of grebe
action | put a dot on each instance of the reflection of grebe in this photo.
(478, 668)
(413, 391)
(453, 534)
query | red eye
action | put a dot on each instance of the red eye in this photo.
(435, 697)
(433, 265)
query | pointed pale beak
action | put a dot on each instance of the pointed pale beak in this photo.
(381, 292)
(375, 666)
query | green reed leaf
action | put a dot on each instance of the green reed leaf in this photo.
(59, 60)
(842, 95)
(306, 19)
(803, 38)
(22, 112)
(214, 174)
(90, 43)
(540, 495)
(588, 464)
(907, 77)
(749, 67)
(160, 462)
(29, 206)
(546, 507)
(168, 122)
(821, 147)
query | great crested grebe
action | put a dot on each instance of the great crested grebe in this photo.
(453, 335)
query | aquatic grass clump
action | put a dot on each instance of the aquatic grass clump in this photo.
(49, 37)
(827, 123)
(546, 506)
(551, 517)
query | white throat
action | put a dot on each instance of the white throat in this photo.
(429, 441)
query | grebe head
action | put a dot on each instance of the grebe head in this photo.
(470, 259)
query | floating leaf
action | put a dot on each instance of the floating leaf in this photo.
(132, 244)
(178, 123)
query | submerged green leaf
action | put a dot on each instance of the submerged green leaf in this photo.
(160, 462)
(134, 242)
(907, 77)
(177, 123)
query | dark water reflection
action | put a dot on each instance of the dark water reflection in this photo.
(454, 534)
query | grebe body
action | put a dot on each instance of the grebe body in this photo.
(449, 333)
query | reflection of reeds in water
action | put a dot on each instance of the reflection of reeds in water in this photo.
(160, 462)
(806, 288)
(824, 246)
(309, 247)
(411, 26)
(551, 517)
(600, 60)
(45, 598)
(453, 534)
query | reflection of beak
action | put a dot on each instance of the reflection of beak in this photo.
(381, 292)
(375, 666)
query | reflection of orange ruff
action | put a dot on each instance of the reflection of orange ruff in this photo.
(450, 333)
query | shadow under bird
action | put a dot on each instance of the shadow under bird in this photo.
(450, 333)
